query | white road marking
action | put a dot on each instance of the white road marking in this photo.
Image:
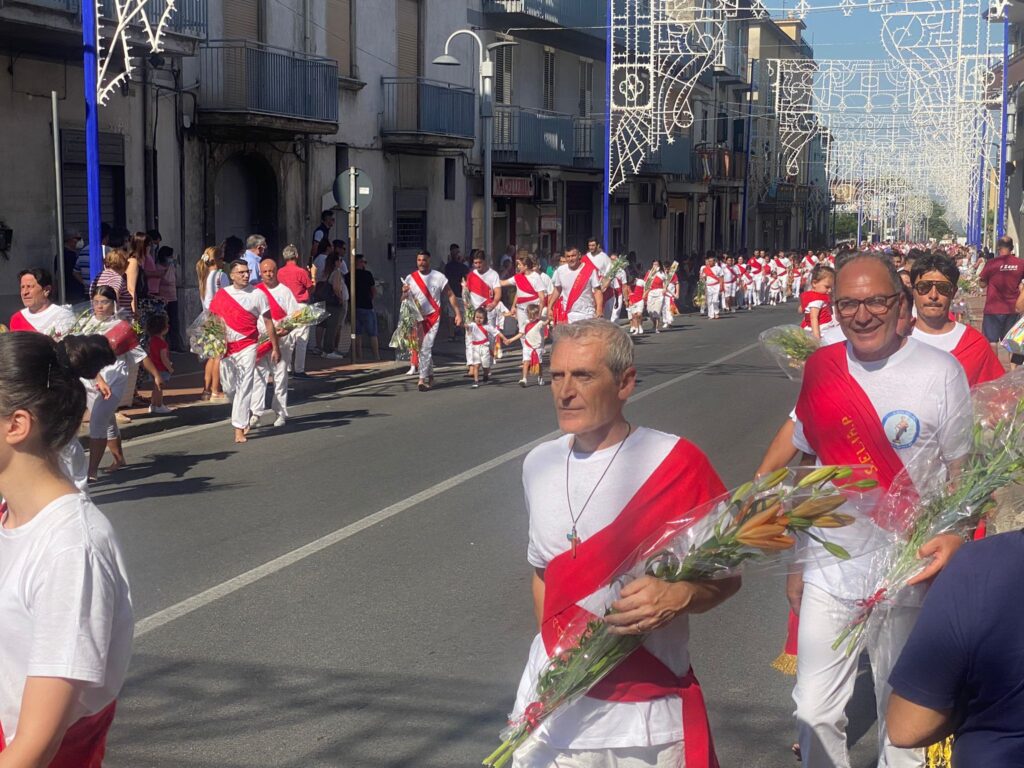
(204, 598)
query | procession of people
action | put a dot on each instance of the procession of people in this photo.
(887, 392)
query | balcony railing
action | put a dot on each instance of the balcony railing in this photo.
(415, 105)
(586, 14)
(675, 159)
(534, 137)
(188, 19)
(242, 76)
(588, 142)
(715, 163)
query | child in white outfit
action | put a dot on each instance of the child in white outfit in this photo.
(479, 338)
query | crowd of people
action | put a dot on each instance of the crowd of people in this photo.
(891, 346)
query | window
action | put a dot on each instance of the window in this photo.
(704, 126)
(407, 38)
(449, 178)
(411, 230)
(503, 69)
(341, 163)
(549, 80)
(586, 105)
(339, 34)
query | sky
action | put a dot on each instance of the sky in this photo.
(835, 36)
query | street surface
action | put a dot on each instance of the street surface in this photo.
(354, 591)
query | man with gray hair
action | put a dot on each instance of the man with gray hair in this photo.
(255, 247)
(593, 497)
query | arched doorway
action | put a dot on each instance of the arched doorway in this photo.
(245, 199)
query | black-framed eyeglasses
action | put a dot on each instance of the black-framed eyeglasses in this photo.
(876, 305)
(944, 287)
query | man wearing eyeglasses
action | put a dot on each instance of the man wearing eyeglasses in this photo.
(1001, 278)
(935, 277)
(887, 403)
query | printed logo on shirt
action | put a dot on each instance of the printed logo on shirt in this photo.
(902, 428)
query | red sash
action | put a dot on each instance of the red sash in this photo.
(977, 358)
(20, 323)
(477, 286)
(84, 742)
(657, 284)
(534, 357)
(525, 292)
(780, 265)
(709, 273)
(683, 481)
(587, 269)
(276, 314)
(237, 318)
(430, 320)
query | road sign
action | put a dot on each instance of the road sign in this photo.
(343, 187)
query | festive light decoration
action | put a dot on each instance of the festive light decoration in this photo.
(130, 17)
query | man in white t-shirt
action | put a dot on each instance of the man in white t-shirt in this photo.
(40, 314)
(714, 281)
(582, 491)
(427, 287)
(282, 305)
(578, 281)
(603, 263)
(892, 403)
(243, 310)
(484, 287)
(729, 287)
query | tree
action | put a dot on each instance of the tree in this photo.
(938, 227)
(845, 227)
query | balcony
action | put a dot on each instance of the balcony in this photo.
(717, 164)
(732, 68)
(534, 137)
(426, 115)
(573, 25)
(250, 89)
(675, 159)
(54, 27)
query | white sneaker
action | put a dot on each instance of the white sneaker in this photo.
(335, 356)
(161, 409)
(411, 371)
(522, 382)
(474, 385)
(254, 421)
(280, 421)
(540, 381)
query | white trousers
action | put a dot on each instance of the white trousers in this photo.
(713, 298)
(426, 353)
(539, 755)
(237, 375)
(300, 337)
(825, 680)
(755, 293)
(265, 368)
(103, 413)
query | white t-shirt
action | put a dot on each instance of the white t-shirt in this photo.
(584, 307)
(320, 267)
(285, 298)
(435, 282)
(65, 607)
(117, 373)
(75, 464)
(947, 341)
(215, 280)
(251, 300)
(538, 282)
(591, 723)
(924, 404)
(491, 279)
(602, 261)
(55, 320)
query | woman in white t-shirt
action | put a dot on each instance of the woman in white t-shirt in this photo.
(65, 605)
(212, 277)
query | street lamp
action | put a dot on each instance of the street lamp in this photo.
(486, 87)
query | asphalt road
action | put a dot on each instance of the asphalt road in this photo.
(353, 590)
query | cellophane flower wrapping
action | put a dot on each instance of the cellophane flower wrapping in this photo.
(1014, 340)
(789, 346)
(406, 338)
(757, 526)
(700, 298)
(931, 498)
(310, 314)
(208, 336)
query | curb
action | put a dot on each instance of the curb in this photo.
(209, 413)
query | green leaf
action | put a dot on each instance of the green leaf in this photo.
(835, 550)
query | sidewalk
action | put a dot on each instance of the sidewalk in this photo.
(182, 392)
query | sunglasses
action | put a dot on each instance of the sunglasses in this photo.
(944, 287)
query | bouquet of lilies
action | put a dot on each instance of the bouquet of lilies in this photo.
(757, 524)
(406, 336)
(619, 263)
(311, 314)
(700, 298)
(208, 336)
(789, 346)
(917, 514)
(969, 284)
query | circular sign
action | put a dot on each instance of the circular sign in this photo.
(343, 189)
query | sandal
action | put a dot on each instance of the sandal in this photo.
(205, 397)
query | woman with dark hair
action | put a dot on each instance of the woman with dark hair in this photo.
(106, 391)
(115, 267)
(67, 623)
(138, 251)
(336, 296)
(40, 314)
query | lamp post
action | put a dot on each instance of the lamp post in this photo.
(486, 87)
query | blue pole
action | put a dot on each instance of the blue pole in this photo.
(746, 170)
(979, 207)
(606, 202)
(1001, 214)
(860, 205)
(90, 33)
